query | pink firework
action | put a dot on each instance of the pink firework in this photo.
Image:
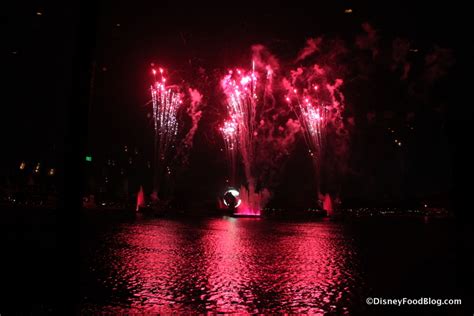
(239, 131)
(240, 90)
(318, 105)
(229, 133)
(312, 115)
(166, 102)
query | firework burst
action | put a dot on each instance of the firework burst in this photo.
(312, 115)
(318, 106)
(240, 90)
(240, 133)
(229, 133)
(166, 102)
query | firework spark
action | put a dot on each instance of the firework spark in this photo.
(240, 130)
(312, 115)
(318, 106)
(166, 102)
(240, 90)
(229, 133)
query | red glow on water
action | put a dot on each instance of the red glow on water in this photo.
(227, 265)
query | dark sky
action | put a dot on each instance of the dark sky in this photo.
(41, 46)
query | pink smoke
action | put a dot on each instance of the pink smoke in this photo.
(437, 64)
(400, 49)
(252, 201)
(312, 46)
(268, 64)
(194, 113)
(264, 59)
(369, 40)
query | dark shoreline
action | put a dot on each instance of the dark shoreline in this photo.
(15, 211)
(282, 215)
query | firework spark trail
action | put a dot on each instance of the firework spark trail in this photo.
(318, 106)
(229, 131)
(166, 102)
(241, 104)
(239, 132)
(312, 115)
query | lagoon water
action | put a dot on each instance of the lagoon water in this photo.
(131, 263)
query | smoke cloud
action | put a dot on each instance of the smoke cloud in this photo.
(312, 46)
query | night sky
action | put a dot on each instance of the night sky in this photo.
(42, 45)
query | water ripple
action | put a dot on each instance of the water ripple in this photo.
(221, 265)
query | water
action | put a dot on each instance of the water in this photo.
(138, 264)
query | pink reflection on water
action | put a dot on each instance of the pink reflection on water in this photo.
(227, 267)
(233, 265)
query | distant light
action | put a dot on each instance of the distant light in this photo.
(348, 11)
(39, 13)
(125, 148)
(118, 24)
(400, 144)
(22, 165)
(104, 68)
(426, 205)
(51, 172)
(37, 168)
(414, 50)
(89, 158)
(14, 52)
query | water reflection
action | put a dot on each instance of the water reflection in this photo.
(224, 265)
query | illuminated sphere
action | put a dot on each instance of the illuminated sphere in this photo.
(231, 198)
